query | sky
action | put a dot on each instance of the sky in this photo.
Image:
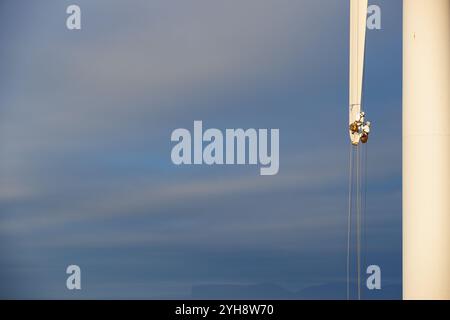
(86, 176)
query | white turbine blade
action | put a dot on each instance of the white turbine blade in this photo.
(358, 18)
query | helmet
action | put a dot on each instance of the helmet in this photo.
(364, 138)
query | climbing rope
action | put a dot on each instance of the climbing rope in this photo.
(356, 215)
(349, 218)
(358, 219)
(357, 189)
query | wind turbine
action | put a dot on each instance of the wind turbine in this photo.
(426, 141)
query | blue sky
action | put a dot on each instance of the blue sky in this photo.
(85, 169)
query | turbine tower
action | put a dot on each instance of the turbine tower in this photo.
(426, 149)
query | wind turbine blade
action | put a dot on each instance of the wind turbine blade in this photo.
(358, 18)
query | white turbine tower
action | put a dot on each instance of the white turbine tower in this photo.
(426, 149)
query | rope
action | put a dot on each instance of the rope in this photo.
(358, 220)
(349, 218)
(364, 212)
(360, 186)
